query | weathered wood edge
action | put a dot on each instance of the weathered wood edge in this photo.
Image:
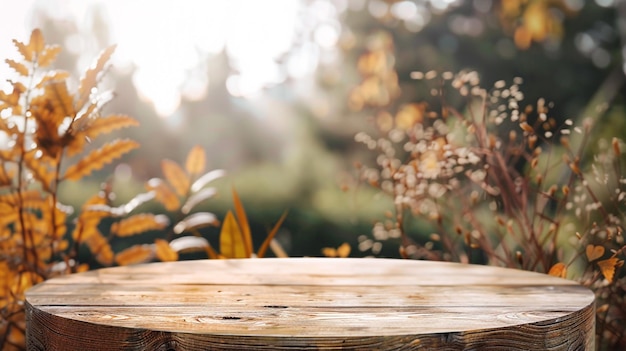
(46, 331)
(575, 331)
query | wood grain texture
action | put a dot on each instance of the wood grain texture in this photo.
(309, 303)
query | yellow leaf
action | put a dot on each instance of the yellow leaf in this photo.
(51, 110)
(138, 224)
(163, 194)
(607, 267)
(195, 161)
(329, 252)
(37, 43)
(558, 270)
(89, 219)
(343, 250)
(12, 100)
(52, 76)
(62, 100)
(82, 268)
(56, 219)
(134, 254)
(99, 158)
(164, 252)
(18, 67)
(97, 199)
(175, 176)
(87, 116)
(48, 55)
(84, 229)
(231, 240)
(6, 176)
(594, 252)
(61, 245)
(90, 79)
(8, 215)
(103, 125)
(270, 236)
(79, 130)
(23, 49)
(40, 168)
(9, 199)
(100, 247)
(32, 199)
(243, 223)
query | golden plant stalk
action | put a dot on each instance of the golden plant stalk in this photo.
(50, 131)
(491, 181)
(46, 125)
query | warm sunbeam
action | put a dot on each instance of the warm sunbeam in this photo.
(167, 43)
(170, 44)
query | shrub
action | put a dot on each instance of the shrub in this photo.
(499, 182)
(48, 130)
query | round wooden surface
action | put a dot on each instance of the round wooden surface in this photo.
(309, 303)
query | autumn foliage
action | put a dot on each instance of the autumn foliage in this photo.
(531, 21)
(478, 175)
(51, 132)
(46, 126)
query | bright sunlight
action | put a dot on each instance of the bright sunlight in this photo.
(168, 47)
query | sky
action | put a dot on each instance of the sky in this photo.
(167, 41)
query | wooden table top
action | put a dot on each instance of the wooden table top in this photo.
(312, 303)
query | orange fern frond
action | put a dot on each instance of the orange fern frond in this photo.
(138, 224)
(108, 124)
(48, 55)
(163, 194)
(196, 161)
(18, 67)
(100, 247)
(52, 76)
(99, 158)
(175, 176)
(90, 79)
(134, 254)
(164, 251)
(34, 47)
(40, 168)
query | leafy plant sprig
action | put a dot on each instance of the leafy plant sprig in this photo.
(46, 126)
(491, 180)
(49, 132)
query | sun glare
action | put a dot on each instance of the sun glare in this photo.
(173, 39)
(167, 43)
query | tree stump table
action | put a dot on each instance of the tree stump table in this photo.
(309, 303)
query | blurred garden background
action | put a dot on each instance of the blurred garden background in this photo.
(274, 90)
